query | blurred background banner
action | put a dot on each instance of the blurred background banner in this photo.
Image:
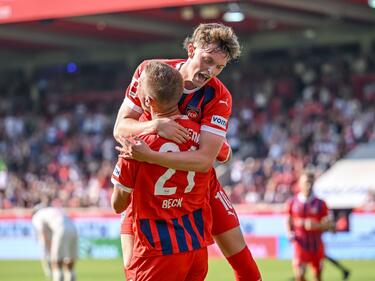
(20, 10)
(264, 233)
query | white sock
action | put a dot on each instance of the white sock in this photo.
(46, 265)
(70, 275)
(57, 274)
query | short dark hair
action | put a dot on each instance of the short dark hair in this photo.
(309, 173)
(166, 83)
(218, 34)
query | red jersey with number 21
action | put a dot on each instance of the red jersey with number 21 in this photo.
(170, 208)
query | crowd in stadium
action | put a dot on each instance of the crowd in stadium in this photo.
(288, 113)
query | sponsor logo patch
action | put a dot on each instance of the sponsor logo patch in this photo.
(116, 171)
(133, 88)
(219, 121)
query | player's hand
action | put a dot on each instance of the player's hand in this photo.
(168, 128)
(310, 224)
(291, 236)
(134, 148)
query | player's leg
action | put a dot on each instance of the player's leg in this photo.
(46, 265)
(127, 243)
(127, 237)
(228, 235)
(237, 253)
(199, 268)
(57, 247)
(299, 262)
(345, 272)
(69, 272)
(70, 254)
(299, 272)
(317, 268)
(57, 271)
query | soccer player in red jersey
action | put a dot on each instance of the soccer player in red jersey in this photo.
(207, 101)
(308, 218)
(170, 208)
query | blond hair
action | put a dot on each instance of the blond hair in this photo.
(218, 34)
(166, 83)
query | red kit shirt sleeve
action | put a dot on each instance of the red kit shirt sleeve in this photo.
(218, 110)
(131, 98)
(124, 174)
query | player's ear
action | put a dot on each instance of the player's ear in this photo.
(191, 50)
(148, 101)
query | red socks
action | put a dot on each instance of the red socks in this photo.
(244, 266)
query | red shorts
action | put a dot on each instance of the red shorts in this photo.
(224, 217)
(191, 266)
(302, 257)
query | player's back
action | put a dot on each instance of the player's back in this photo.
(54, 219)
(170, 207)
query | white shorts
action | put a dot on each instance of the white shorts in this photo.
(64, 244)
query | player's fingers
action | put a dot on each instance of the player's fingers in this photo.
(120, 149)
(183, 132)
(138, 140)
(127, 142)
(182, 128)
(178, 140)
(125, 156)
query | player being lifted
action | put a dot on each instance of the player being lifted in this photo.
(207, 101)
(170, 209)
(308, 218)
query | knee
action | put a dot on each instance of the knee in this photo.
(231, 242)
(69, 264)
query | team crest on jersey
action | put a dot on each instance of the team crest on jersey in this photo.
(193, 112)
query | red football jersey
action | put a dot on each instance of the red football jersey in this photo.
(211, 105)
(314, 209)
(170, 208)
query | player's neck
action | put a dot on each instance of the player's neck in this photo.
(165, 113)
(305, 197)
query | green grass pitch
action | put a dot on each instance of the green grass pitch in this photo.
(219, 270)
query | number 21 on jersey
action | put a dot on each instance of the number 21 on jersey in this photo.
(160, 188)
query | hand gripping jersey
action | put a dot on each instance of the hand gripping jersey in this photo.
(210, 105)
(170, 208)
(313, 209)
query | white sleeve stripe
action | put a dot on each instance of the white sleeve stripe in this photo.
(121, 186)
(134, 79)
(132, 105)
(213, 130)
